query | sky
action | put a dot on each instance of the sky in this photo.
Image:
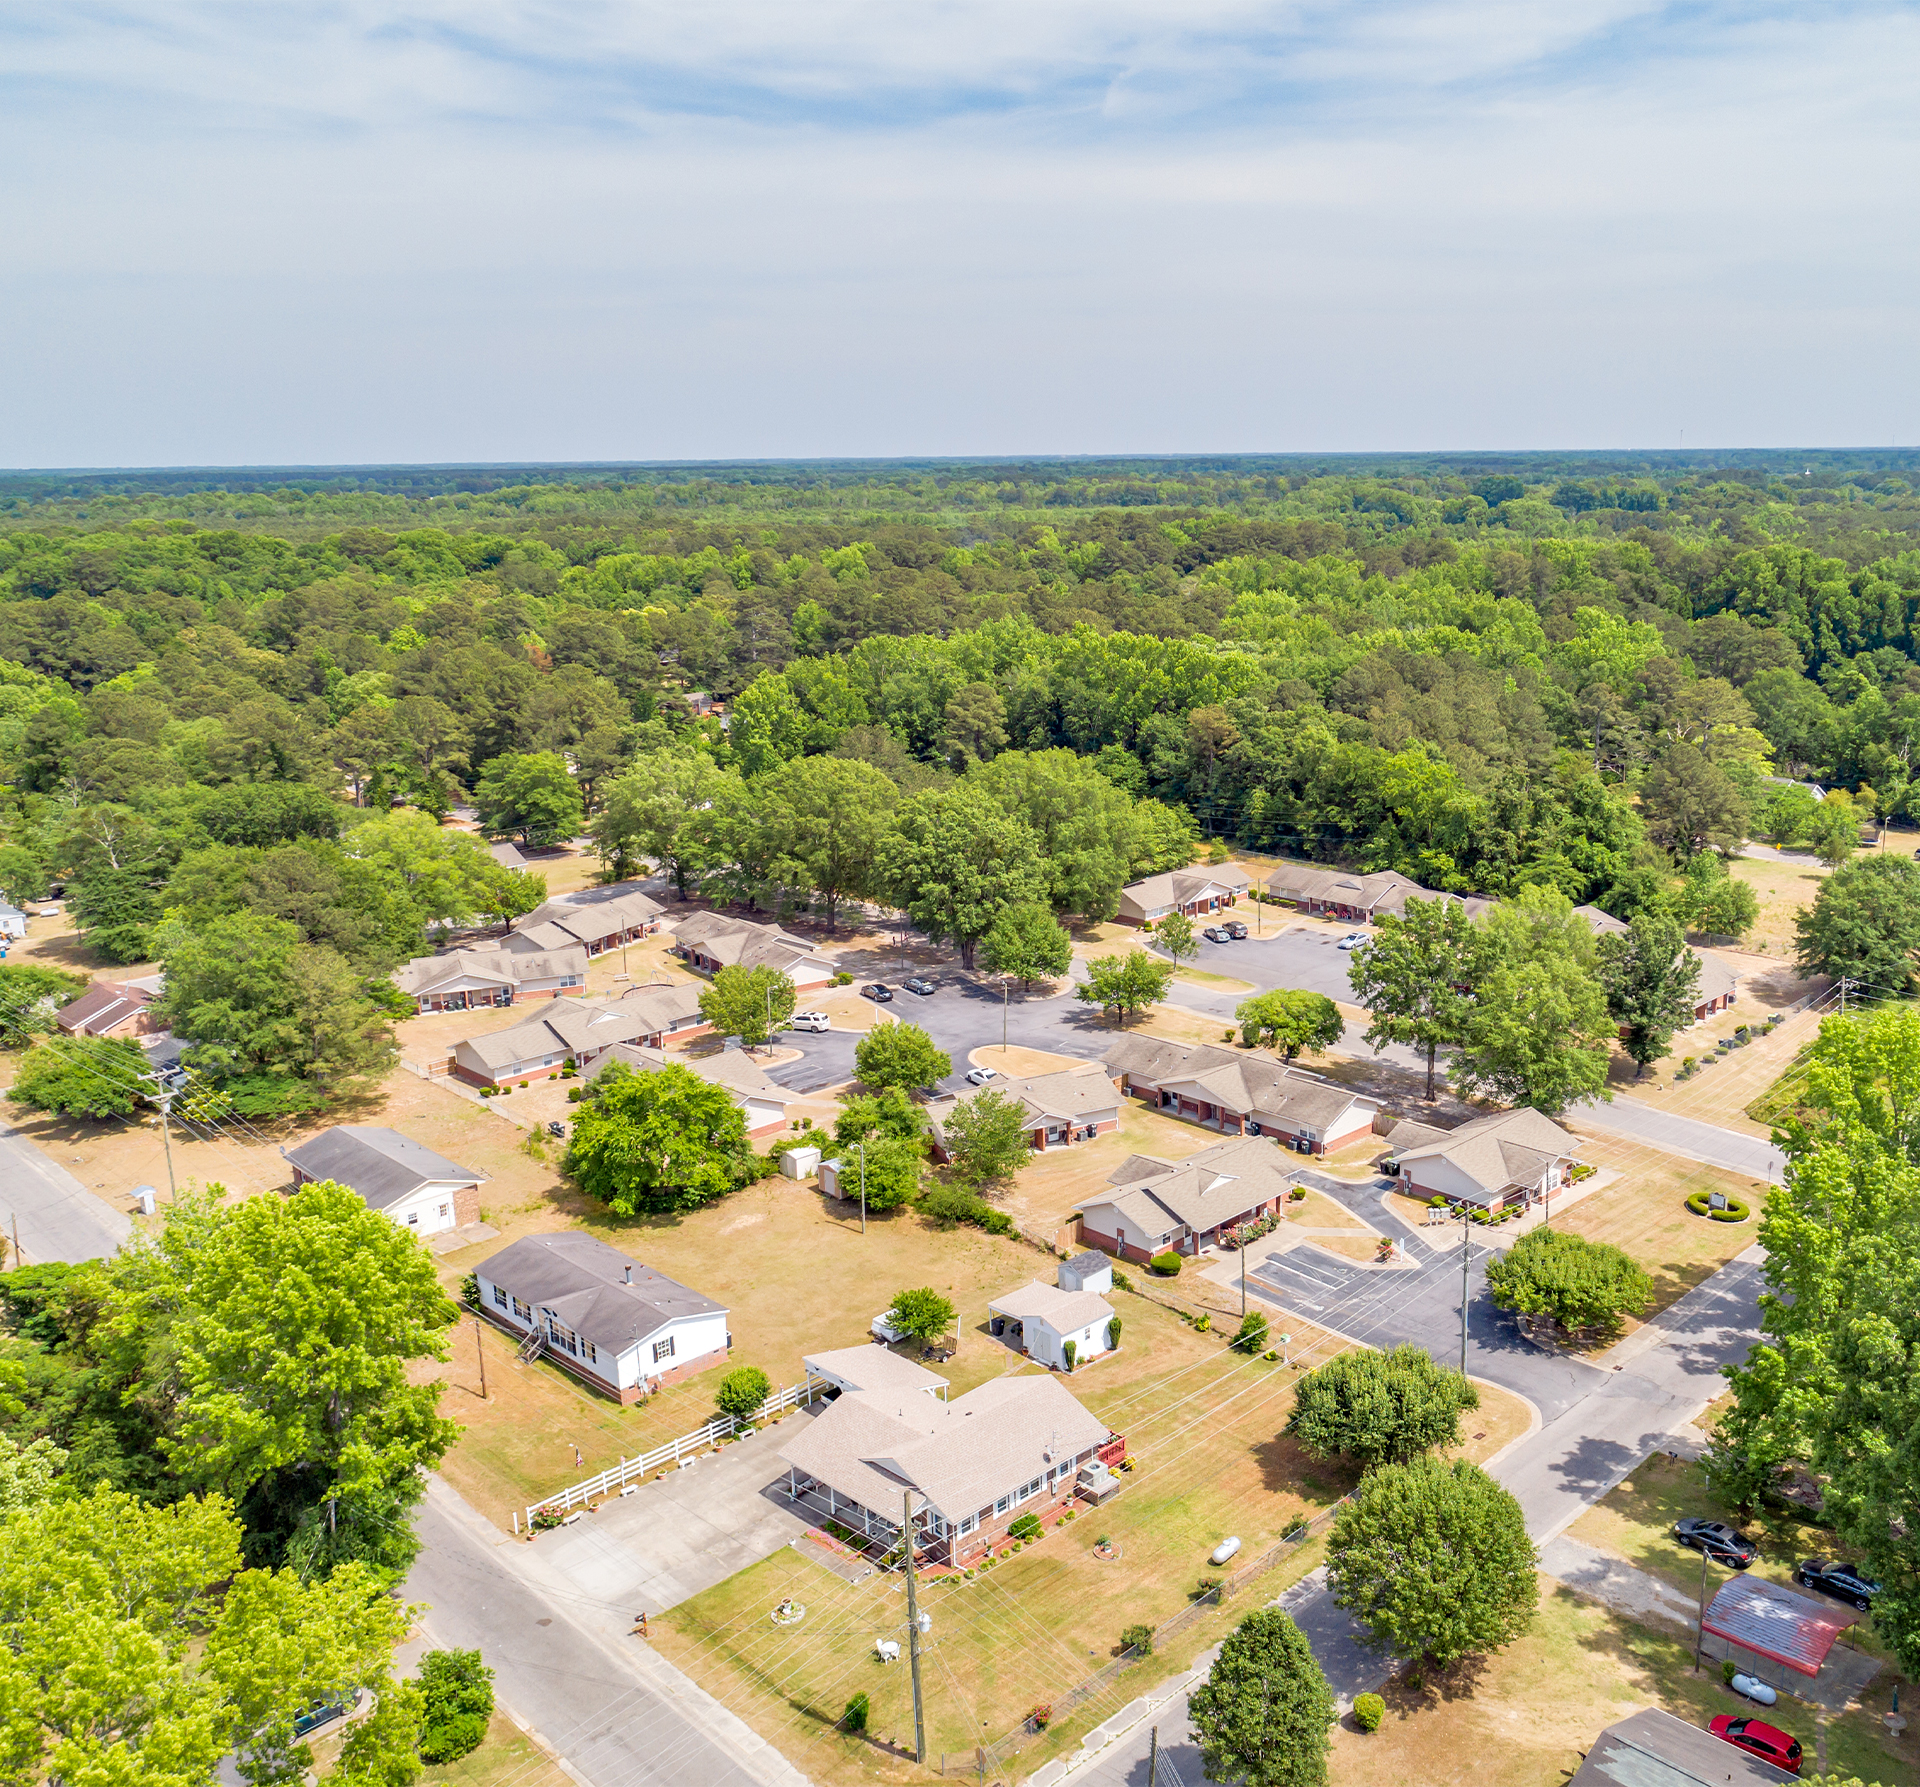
(516, 230)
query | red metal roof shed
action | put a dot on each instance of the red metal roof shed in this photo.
(1775, 1623)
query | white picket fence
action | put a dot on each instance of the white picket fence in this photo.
(615, 1478)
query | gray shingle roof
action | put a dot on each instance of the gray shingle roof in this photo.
(1219, 1184)
(586, 1284)
(382, 1165)
(1248, 1085)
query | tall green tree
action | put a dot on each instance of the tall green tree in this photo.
(1652, 983)
(1029, 943)
(753, 1004)
(664, 809)
(987, 1138)
(1264, 1712)
(1415, 978)
(923, 1314)
(532, 793)
(1864, 925)
(824, 818)
(1578, 1283)
(1125, 984)
(82, 1076)
(658, 1142)
(955, 860)
(1082, 824)
(1434, 1560)
(1538, 1031)
(896, 1054)
(1290, 1020)
(1380, 1408)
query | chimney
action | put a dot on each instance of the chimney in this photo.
(629, 1277)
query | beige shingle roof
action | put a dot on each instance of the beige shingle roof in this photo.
(1178, 887)
(1219, 1184)
(731, 1069)
(1508, 1148)
(1062, 1311)
(1249, 1085)
(876, 1369)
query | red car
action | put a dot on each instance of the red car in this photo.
(1758, 1738)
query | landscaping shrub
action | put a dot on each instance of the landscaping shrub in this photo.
(574, 1094)
(547, 1518)
(1121, 1282)
(843, 980)
(949, 1205)
(1368, 1711)
(456, 1703)
(1298, 1195)
(1165, 1265)
(1071, 1349)
(1026, 1527)
(1252, 1337)
(1113, 1335)
(1436, 1202)
(1585, 1170)
(1202, 1322)
(742, 1391)
(1138, 1639)
(1699, 1203)
(858, 1710)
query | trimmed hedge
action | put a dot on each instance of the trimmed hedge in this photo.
(1165, 1265)
(1735, 1211)
(1368, 1711)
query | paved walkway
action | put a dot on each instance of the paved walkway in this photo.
(57, 1217)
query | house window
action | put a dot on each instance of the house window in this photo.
(663, 1349)
(499, 1297)
(560, 1334)
(1003, 1504)
(413, 1219)
(522, 1311)
(587, 1352)
(445, 1211)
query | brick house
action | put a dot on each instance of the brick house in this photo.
(710, 941)
(475, 979)
(1157, 1206)
(596, 921)
(1074, 1105)
(601, 1315)
(1015, 1446)
(401, 1178)
(580, 1031)
(1513, 1157)
(1239, 1093)
(762, 1102)
(1198, 893)
(110, 1008)
(1717, 988)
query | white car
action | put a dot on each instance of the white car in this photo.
(979, 1076)
(812, 1020)
(1352, 940)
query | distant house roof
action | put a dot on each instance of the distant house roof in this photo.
(1602, 924)
(507, 855)
(874, 1368)
(731, 1069)
(575, 918)
(1181, 887)
(961, 1456)
(1652, 1748)
(1248, 1085)
(1717, 978)
(1062, 1311)
(1219, 1184)
(1066, 1097)
(492, 966)
(382, 1165)
(1509, 1148)
(576, 1026)
(602, 1294)
(103, 1008)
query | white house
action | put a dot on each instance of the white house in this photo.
(13, 922)
(417, 1188)
(1514, 1157)
(1041, 1319)
(1198, 893)
(875, 1369)
(623, 1327)
(762, 1102)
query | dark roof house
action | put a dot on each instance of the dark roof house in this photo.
(392, 1173)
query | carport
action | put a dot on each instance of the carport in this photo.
(1775, 1623)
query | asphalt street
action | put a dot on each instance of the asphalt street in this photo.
(57, 1217)
(619, 1718)
(1753, 1155)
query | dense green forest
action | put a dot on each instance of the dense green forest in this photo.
(234, 705)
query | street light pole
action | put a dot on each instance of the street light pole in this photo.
(860, 1148)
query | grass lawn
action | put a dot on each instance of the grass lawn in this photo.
(1644, 1213)
(1784, 890)
(1525, 1717)
(509, 1758)
(1204, 1428)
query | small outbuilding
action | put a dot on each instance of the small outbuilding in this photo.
(401, 1178)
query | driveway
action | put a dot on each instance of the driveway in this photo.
(676, 1536)
(56, 1217)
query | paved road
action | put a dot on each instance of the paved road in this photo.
(1753, 1155)
(58, 1217)
(620, 1717)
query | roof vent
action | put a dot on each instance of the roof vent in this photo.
(629, 1277)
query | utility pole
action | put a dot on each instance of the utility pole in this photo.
(1153, 1758)
(480, 1352)
(913, 1632)
(1466, 1251)
(1700, 1630)
(1005, 983)
(860, 1148)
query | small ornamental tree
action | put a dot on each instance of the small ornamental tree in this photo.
(1434, 1560)
(1174, 935)
(896, 1054)
(1029, 943)
(923, 1315)
(456, 1694)
(1380, 1408)
(1252, 1337)
(1125, 984)
(1575, 1282)
(753, 1004)
(1263, 1714)
(743, 1392)
(893, 1113)
(986, 1138)
(892, 1173)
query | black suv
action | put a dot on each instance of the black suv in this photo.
(1718, 1540)
(1842, 1581)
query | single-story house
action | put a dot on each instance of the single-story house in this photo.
(969, 1468)
(761, 1101)
(1652, 1748)
(710, 941)
(580, 1031)
(597, 921)
(1718, 986)
(623, 1327)
(1073, 1105)
(1198, 893)
(1240, 1093)
(472, 979)
(1355, 898)
(110, 1008)
(402, 1178)
(874, 1368)
(507, 855)
(1514, 1157)
(13, 922)
(1041, 1319)
(1180, 1206)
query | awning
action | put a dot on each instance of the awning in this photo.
(1776, 1623)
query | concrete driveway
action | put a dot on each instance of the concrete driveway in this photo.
(676, 1536)
(56, 1217)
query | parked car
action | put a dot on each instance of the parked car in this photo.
(1758, 1738)
(1352, 940)
(1842, 1581)
(878, 991)
(1718, 1540)
(812, 1020)
(922, 987)
(557, 1129)
(1235, 929)
(979, 1076)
